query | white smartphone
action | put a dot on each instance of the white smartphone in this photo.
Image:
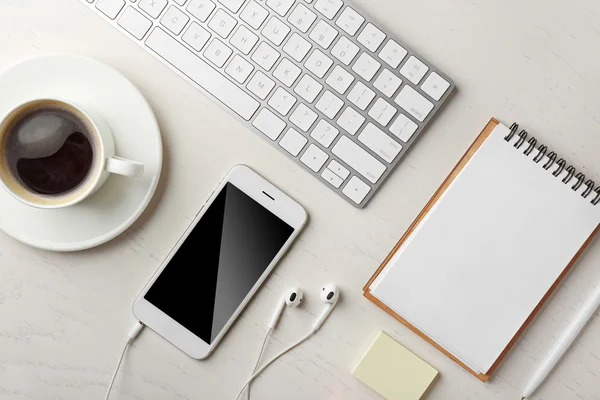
(220, 262)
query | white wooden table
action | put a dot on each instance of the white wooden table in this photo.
(64, 317)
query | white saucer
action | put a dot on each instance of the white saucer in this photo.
(121, 200)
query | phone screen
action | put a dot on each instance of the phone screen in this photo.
(218, 264)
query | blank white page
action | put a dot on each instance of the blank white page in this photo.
(487, 253)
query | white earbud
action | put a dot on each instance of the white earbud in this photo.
(330, 294)
(292, 298)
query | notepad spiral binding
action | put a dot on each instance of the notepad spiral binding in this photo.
(561, 164)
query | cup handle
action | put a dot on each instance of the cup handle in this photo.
(122, 166)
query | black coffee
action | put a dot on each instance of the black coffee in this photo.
(50, 151)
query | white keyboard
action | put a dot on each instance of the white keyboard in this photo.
(319, 79)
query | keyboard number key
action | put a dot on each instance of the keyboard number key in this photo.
(261, 85)
(356, 190)
(366, 66)
(371, 37)
(201, 9)
(413, 102)
(135, 23)
(414, 70)
(174, 20)
(323, 34)
(435, 86)
(314, 158)
(254, 15)
(281, 7)
(392, 54)
(328, 7)
(302, 18)
(344, 50)
(269, 124)
(217, 52)
(403, 128)
(387, 83)
(350, 21)
(196, 36)
(293, 142)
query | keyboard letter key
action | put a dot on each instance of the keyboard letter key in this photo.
(203, 74)
(254, 15)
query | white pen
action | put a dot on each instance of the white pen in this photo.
(563, 343)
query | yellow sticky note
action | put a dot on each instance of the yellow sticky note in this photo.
(393, 371)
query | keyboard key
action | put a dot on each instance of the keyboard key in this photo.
(382, 112)
(356, 190)
(308, 88)
(358, 159)
(174, 20)
(371, 37)
(392, 53)
(287, 72)
(201, 9)
(222, 23)
(302, 18)
(413, 102)
(361, 96)
(293, 142)
(435, 86)
(261, 85)
(254, 15)
(282, 101)
(239, 69)
(281, 7)
(329, 104)
(303, 117)
(196, 36)
(243, 39)
(414, 69)
(323, 34)
(135, 23)
(318, 63)
(344, 50)
(232, 5)
(332, 178)
(202, 73)
(324, 133)
(339, 79)
(387, 83)
(152, 7)
(269, 124)
(110, 8)
(351, 120)
(366, 66)
(403, 128)
(265, 56)
(297, 47)
(379, 142)
(350, 21)
(276, 31)
(314, 158)
(217, 52)
(338, 169)
(328, 7)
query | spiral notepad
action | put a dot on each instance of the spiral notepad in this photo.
(488, 249)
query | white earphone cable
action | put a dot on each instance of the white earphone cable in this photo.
(132, 335)
(262, 350)
(272, 360)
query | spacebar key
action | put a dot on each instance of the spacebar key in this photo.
(203, 74)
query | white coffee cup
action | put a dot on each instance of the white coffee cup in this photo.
(104, 161)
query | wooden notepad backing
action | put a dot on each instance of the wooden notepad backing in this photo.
(457, 169)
